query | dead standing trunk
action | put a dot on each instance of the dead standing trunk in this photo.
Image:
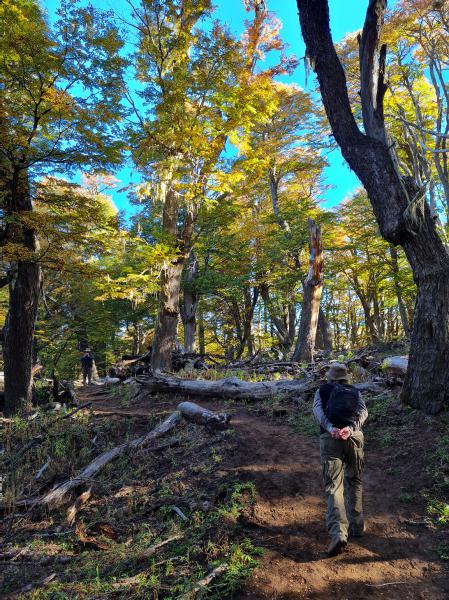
(313, 289)
(399, 204)
(24, 290)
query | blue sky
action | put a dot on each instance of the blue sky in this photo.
(346, 16)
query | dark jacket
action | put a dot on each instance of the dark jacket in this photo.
(320, 404)
(87, 362)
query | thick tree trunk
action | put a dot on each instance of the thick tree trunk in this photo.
(138, 336)
(190, 336)
(189, 306)
(313, 289)
(24, 290)
(325, 330)
(19, 335)
(370, 326)
(285, 326)
(165, 335)
(399, 204)
(274, 181)
(378, 316)
(426, 385)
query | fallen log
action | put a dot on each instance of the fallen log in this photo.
(269, 367)
(395, 365)
(192, 412)
(230, 387)
(236, 389)
(370, 386)
(202, 416)
(56, 496)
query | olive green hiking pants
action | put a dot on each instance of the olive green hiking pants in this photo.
(342, 462)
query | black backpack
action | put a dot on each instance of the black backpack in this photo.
(341, 409)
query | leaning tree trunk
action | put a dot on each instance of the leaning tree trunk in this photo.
(399, 204)
(313, 289)
(24, 289)
(189, 305)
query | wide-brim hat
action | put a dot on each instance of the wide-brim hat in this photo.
(337, 371)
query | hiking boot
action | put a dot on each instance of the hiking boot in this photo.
(336, 546)
(356, 532)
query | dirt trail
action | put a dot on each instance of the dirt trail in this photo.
(394, 560)
(288, 522)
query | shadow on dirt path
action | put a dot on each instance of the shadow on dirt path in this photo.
(394, 560)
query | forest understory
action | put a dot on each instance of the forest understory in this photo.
(178, 232)
(231, 513)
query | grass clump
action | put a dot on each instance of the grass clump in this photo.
(103, 554)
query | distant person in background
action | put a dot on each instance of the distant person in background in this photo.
(87, 364)
(341, 412)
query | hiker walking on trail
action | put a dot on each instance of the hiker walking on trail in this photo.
(341, 412)
(87, 364)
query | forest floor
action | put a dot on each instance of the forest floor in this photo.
(253, 499)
